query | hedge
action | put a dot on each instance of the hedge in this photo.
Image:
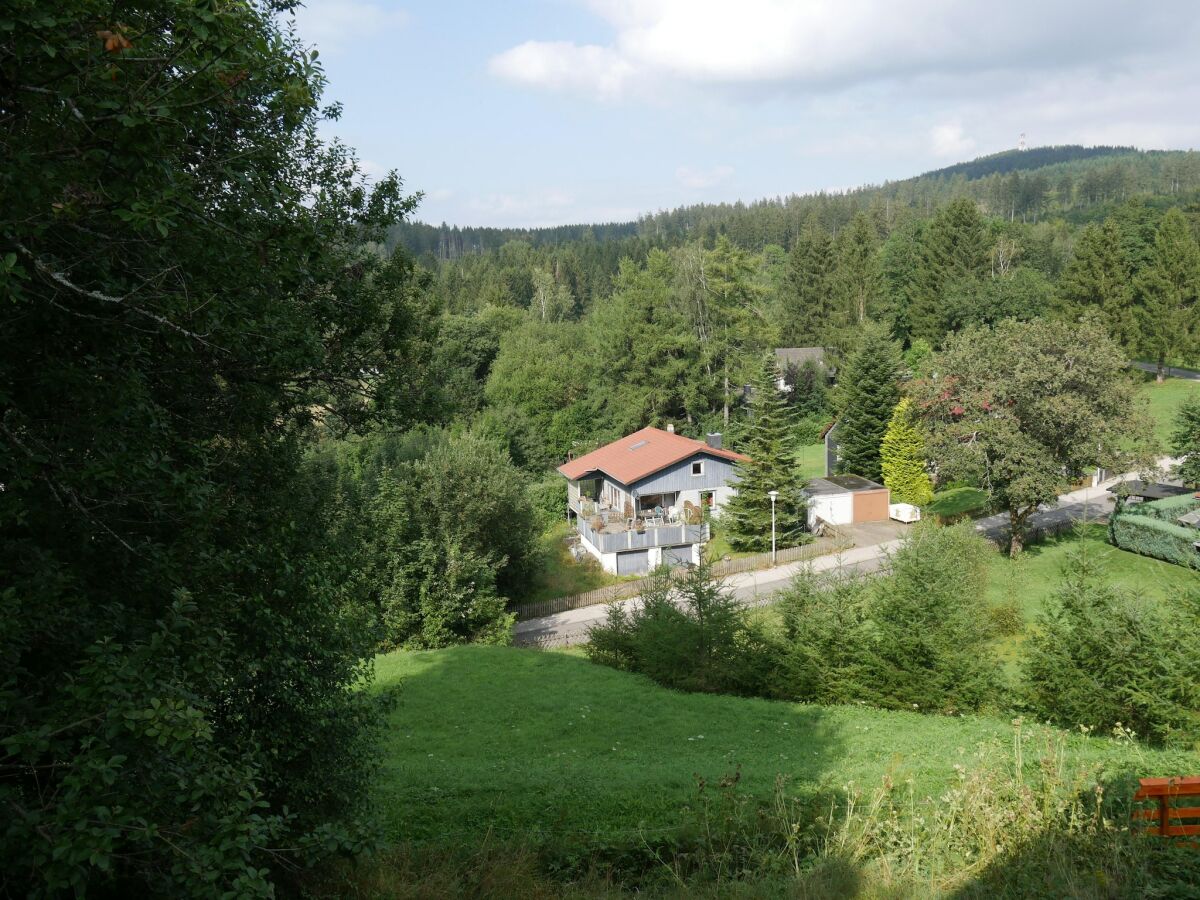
(1168, 509)
(1152, 536)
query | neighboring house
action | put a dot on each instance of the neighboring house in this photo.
(643, 500)
(846, 500)
(790, 359)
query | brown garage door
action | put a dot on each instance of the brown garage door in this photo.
(871, 506)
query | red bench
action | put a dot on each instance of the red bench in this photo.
(1163, 817)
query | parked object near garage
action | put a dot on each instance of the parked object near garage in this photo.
(904, 512)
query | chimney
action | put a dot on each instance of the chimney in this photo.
(670, 428)
(713, 439)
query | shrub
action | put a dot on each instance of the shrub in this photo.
(1101, 657)
(809, 429)
(929, 647)
(917, 638)
(1152, 536)
(824, 626)
(688, 633)
(1005, 617)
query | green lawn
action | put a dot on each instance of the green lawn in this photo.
(957, 501)
(1032, 578)
(559, 574)
(811, 459)
(1165, 400)
(520, 743)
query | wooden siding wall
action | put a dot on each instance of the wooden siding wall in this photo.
(717, 473)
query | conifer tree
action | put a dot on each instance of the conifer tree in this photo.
(1096, 281)
(955, 251)
(870, 395)
(772, 467)
(1170, 293)
(1185, 442)
(902, 456)
(805, 296)
(857, 282)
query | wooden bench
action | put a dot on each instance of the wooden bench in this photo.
(1163, 817)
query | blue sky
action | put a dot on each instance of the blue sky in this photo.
(541, 112)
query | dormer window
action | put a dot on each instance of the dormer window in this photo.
(698, 468)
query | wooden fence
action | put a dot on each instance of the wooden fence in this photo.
(836, 541)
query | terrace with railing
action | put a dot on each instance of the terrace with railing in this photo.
(611, 530)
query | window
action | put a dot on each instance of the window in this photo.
(698, 468)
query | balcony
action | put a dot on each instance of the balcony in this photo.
(617, 533)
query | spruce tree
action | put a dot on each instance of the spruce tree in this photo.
(805, 296)
(1185, 442)
(770, 444)
(1096, 281)
(1169, 291)
(955, 251)
(858, 279)
(870, 393)
(902, 455)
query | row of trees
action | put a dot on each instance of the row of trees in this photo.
(921, 637)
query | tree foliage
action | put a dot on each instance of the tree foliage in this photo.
(1103, 659)
(870, 392)
(1024, 408)
(189, 293)
(902, 458)
(770, 444)
(1185, 442)
(449, 538)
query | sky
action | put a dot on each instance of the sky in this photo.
(546, 112)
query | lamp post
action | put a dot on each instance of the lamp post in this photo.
(773, 495)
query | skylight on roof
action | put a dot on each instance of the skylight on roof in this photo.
(637, 444)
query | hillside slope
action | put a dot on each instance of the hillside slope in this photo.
(534, 745)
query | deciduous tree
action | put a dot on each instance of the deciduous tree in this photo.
(1024, 408)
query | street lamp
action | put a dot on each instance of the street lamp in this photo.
(773, 495)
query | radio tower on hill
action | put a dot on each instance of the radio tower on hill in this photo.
(1021, 141)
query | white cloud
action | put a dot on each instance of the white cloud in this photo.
(691, 177)
(950, 140)
(335, 26)
(823, 42)
(563, 66)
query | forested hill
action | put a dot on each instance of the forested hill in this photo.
(1072, 182)
(1025, 160)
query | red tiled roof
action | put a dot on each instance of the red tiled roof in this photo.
(642, 453)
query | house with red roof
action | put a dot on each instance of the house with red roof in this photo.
(645, 499)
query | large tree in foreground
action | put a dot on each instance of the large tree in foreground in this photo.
(185, 299)
(870, 392)
(770, 444)
(1025, 408)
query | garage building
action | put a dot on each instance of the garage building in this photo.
(846, 500)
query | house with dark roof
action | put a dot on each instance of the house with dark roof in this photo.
(789, 360)
(645, 499)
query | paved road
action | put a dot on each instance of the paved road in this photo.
(752, 588)
(757, 588)
(1171, 371)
